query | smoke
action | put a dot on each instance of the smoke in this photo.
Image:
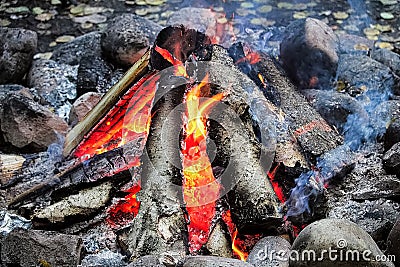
(359, 130)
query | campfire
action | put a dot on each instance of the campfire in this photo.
(205, 149)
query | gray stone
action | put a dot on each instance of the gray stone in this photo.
(271, 251)
(104, 258)
(28, 125)
(127, 37)
(147, 261)
(333, 106)
(393, 242)
(27, 248)
(335, 234)
(9, 88)
(55, 83)
(391, 159)
(392, 60)
(392, 135)
(363, 74)
(211, 261)
(354, 44)
(17, 47)
(82, 106)
(309, 53)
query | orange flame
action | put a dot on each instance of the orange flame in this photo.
(200, 190)
(239, 253)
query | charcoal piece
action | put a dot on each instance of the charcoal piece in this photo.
(391, 159)
(210, 261)
(104, 258)
(180, 42)
(313, 133)
(159, 227)
(334, 107)
(32, 247)
(309, 53)
(251, 197)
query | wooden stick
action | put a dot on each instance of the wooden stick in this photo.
(76, 135)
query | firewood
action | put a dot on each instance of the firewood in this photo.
(159, 227)
(75, 136)
(251, 197)
(9, 166)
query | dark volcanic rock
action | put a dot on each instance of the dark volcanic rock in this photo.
(393, 242)
(392, 135)
(26, 124)
(391, 159)
(17, 47)
(55, 83)
(339, 235)
(271, 251)
(210, 261)
(28, 248)
(72, 52)
(309, 53)
(363, 74)
(8, 88)
(388, 58)
(127, 38)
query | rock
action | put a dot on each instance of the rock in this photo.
(17, 47)
(82, 106)
(393, 242)
(333, 106)
(127, 38)
(330, 238)
(72, 52)
(354, 44)
(271, 251)
(31, 247)
(211, 261)
(392, 60)
(83, 204)
(364, 74)
(203, 20)
(55, 83)
(28, 125)
(218, 244)
(309, 53)
(9, 88)
(391, 160)
(147, 261)
(104, 258)
(392, 135)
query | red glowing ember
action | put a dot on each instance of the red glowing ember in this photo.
(200, 190)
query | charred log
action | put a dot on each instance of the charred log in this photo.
(159, 227)
(250, 194)
(313, 133)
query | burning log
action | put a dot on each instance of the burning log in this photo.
(312, 132)
(159, 227)
(252, 199)
(76, 135)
